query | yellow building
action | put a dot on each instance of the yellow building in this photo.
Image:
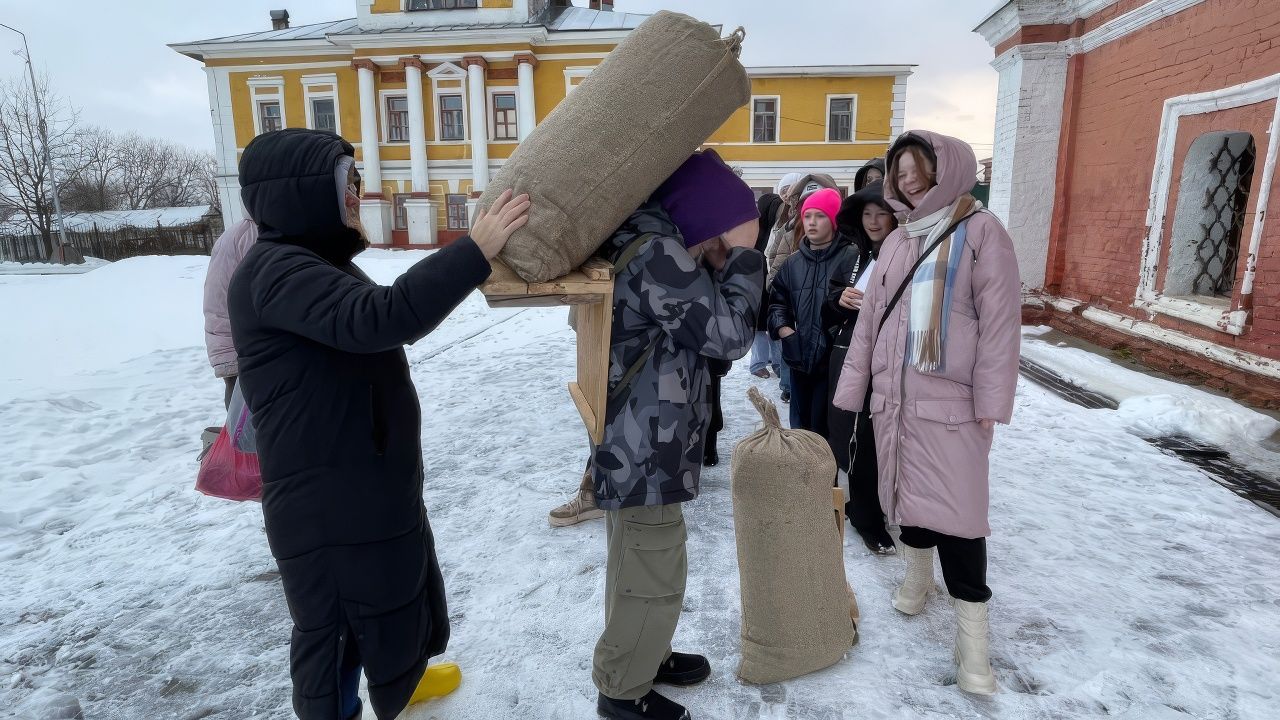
(436, 94)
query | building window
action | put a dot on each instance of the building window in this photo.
(452, 124)
(442, 4)
(397, 119)
(269, 117)
(323, 115)
(401, 215)
(457, 207)
(764, 120)
(1217, 176)
(840, 119)
(504, 117)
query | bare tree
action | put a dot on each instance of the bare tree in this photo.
(25, 183)
(97, 188)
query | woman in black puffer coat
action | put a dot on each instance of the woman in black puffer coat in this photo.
(323, 369)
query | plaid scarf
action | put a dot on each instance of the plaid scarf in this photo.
(932, 285)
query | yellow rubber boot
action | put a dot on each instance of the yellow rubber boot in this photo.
(437, 681)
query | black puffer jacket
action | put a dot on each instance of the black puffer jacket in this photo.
(769, 206)
(797, 298)
(323, 369)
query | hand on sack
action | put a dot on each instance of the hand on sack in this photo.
(493, 227)
(851, 299)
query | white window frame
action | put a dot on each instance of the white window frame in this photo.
(449, 71)
(777, 113)
(1148, 296)
(514, 92)
(308, 94)
(383, 96)
(570, 73)
(466, 116)
(276, 82)
(853, 119)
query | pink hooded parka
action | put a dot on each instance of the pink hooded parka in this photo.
(932, 452)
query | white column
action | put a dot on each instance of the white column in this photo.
(372, 167)
(479, 123)
(1024, 165)
(527, 116)
(375, 211)
(417, 125)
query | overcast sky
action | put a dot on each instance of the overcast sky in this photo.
(110, 59)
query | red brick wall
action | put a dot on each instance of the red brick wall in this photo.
(1123, 86)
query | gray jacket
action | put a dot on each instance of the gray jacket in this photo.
(655, 428)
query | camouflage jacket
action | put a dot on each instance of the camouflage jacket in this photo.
(654, 431)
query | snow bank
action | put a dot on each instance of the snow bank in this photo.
(1151, 406)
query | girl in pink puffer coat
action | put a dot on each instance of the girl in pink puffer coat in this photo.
(942, 365)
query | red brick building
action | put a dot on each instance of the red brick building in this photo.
(1136, 145)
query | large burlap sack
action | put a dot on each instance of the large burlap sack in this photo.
(604, 150)
(798, 612)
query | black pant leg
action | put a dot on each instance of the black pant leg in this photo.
(820, 401)
(964, 561)
(231, 386)
(863, 508)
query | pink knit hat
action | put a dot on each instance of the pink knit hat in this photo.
(826, 201)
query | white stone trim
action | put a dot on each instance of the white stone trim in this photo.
(777, 130)
(449, 71)
(257, 99)
(570, 73)
(385, 135)
(853, 120)
(1148, 296)
(308, 94)
(446, 70)
(1007, 17)
(1237, 359)
(1002, 23)
(898, 118)
(1133, 21)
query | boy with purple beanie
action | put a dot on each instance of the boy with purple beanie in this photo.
(688, 287)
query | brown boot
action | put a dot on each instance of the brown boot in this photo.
(581, 507)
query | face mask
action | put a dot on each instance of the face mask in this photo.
(351, 202)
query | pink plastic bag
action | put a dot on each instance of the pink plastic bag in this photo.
(227, 472)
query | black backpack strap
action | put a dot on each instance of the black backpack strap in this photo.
(628, 254)
(911, 274)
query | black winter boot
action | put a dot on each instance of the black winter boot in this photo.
(710, 457)
(650, 707)
(683, 669)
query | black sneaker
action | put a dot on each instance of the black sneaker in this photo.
(786, 396)
(880, 543)
(651, 706)
(683, 669)
(710, 457)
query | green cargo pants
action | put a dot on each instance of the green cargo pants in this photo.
(644, 590)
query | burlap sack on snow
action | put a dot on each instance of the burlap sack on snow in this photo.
(798, 612)
(604, 150)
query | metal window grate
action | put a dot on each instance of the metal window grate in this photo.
(1225, 201)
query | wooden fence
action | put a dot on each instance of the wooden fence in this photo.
(119, 243)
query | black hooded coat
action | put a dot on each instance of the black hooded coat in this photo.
(323, 369)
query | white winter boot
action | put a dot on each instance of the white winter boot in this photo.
(918, 585)
(973, 666)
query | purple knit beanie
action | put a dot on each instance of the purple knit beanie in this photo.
(705, 198)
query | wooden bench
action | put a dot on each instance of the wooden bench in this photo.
(590, 289)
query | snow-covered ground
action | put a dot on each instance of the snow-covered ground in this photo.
(1127, 583)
